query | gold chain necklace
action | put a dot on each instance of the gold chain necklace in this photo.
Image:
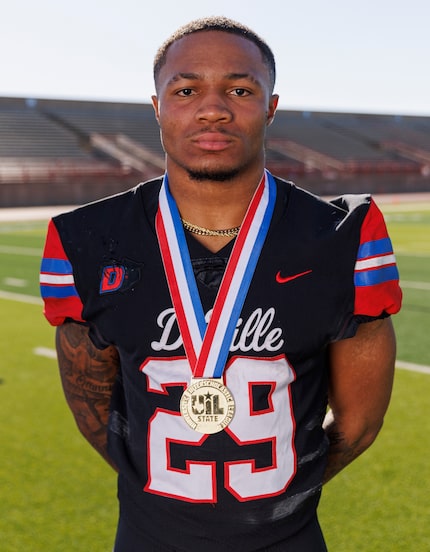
(200, 231)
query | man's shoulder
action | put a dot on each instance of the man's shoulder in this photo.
(112, 208)
(345, 203)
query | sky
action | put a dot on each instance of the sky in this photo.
(371, 56)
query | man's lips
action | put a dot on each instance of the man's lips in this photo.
(212, 141)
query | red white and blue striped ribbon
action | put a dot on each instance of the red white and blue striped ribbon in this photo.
(207, 344)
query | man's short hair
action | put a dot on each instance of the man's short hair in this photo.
(216, 23)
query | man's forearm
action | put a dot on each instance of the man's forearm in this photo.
(345, 446)
(87, 376)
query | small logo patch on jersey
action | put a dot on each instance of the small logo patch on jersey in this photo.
(119, 276)
(284, 279)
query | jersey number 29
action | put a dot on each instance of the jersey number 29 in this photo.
(273, 425)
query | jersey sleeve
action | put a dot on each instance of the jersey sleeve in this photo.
(376, 276)
(57, 283)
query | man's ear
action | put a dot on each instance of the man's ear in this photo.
(155, 106)
(273, 104)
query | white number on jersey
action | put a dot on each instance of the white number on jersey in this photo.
(274, 425)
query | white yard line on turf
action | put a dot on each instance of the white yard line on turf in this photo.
(412, 367)
(423, 286)
(17, 250)
(20, 297)
(45, 352)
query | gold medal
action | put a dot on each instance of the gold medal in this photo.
(207, 405)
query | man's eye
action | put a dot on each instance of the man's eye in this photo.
(240, 92)
(185, 92)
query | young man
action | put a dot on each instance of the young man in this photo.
(214, 313)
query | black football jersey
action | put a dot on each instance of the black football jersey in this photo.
(324, 268)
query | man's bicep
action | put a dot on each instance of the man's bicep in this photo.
(77, 353)
(86, 371)
(362, 369)
(360, 383)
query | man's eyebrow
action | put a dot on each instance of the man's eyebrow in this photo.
(185, 76)
(240, 76)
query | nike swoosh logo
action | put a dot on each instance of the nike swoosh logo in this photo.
(283, 280)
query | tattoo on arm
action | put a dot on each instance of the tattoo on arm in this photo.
(87, 375)
(341, 452)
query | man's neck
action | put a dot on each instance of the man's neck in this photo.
(212, 204)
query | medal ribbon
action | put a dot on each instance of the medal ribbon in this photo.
(207, 345)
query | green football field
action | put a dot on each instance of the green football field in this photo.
(57, 495)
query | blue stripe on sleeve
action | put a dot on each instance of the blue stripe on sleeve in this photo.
(56, 266)
(373, 248)
(58, 292)
(376, 276)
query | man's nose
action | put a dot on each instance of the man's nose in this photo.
(214, 108)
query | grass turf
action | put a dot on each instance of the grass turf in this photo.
(380, 502)
(57, 494)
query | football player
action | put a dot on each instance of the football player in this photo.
(224, 337)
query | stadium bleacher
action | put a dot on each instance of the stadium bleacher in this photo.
(70, 152)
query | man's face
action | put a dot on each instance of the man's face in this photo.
(213, 105)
